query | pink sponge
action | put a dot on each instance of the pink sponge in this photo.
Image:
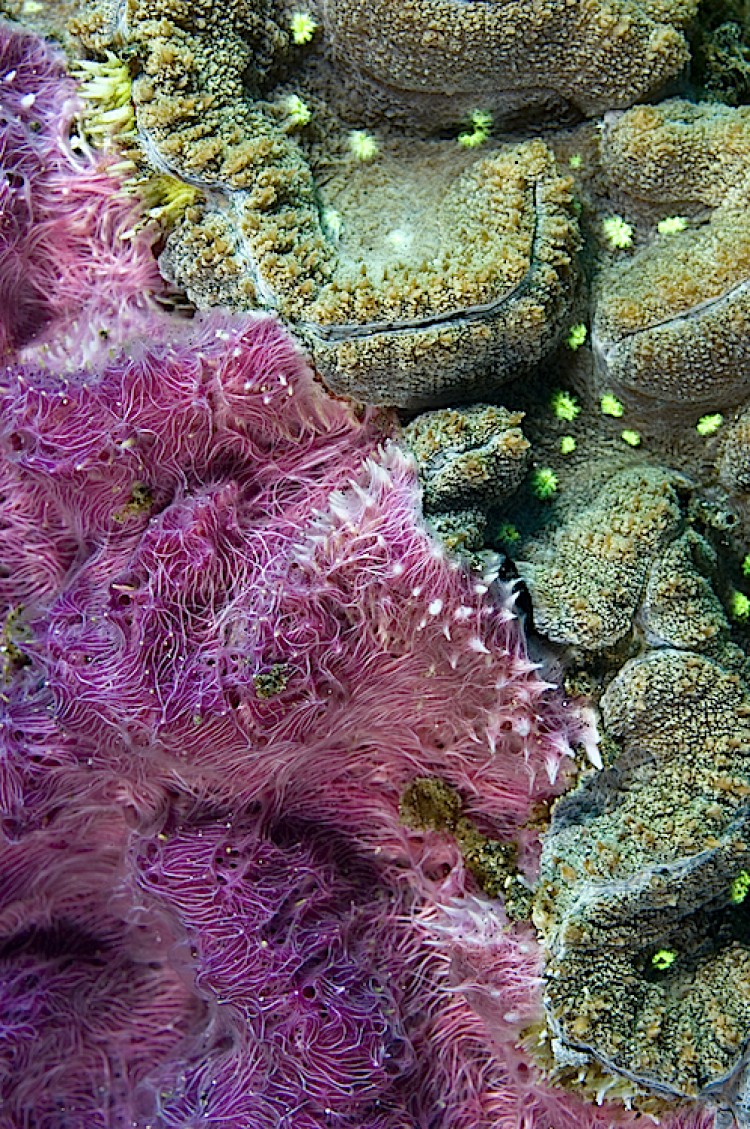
(254, 595)
(239, 598)
(73, 276)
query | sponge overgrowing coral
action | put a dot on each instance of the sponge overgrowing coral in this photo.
(231, 521)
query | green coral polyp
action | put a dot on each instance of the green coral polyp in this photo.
(363, 145)
(617, 232)
(544, 483)
(576, 336)
(739, 607)
(565, 406)
(740, 888)
(663, 959)
(303, 27)
(481, 122)
(611, 406)
(708, 425)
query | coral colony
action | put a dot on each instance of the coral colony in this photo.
(317, 810)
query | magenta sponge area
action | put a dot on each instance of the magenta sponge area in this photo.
(315, 974)
(232, 645)
(74, 274)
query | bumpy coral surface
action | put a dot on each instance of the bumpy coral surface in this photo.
(587, 576)
(420, 275)
(677, 155)
(250, 601)
(640, 905)
(672, 323)
(470, 456)
(734, 456)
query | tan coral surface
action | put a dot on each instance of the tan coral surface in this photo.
(648, 971)
(672, 323)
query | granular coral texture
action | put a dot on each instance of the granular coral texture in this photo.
(418, 278)
(204, 256)
(460, 278)
(680, 608)
(461, 532)
(677, 156)
(194, 99)
(671, 324)
(188, 93)
(437, 59)
(588, 574)
(721, 59)
(641, 901)
(471, 456)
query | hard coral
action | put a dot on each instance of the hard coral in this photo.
(587, 575)
(647, 964)
(432, 59)
(473, 457)
(459, 277)
(677, 155)
(671, 323)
